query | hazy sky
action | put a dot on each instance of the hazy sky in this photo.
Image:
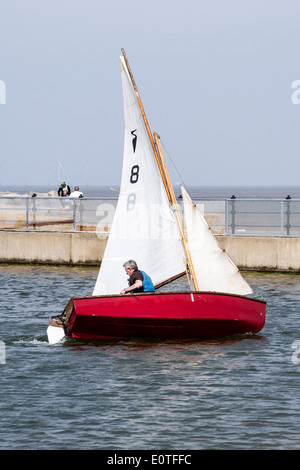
(215, 78)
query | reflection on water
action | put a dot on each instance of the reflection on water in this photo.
(231, 393)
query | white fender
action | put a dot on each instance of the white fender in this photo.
(55, 334)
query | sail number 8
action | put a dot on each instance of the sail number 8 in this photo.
(134, 174)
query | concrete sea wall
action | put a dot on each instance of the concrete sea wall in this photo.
(71, 248)
(263, 253)
(87, 248)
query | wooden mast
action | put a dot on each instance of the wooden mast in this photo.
(147, 126)
(174, 204)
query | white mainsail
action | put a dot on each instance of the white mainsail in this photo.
(214, 269)
(144, 227)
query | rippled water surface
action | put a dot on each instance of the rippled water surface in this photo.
(233, 393)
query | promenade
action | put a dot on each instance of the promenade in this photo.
(258, 234)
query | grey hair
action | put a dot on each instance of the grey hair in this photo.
(130, 264)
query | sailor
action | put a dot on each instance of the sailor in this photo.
(64, 189)
(138, 281)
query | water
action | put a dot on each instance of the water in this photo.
(233, 393)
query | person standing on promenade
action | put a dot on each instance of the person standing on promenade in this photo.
(64, 190)
(76, 192)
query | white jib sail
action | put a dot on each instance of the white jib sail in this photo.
(144, 227)
(214, 269)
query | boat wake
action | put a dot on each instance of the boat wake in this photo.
(32, 341)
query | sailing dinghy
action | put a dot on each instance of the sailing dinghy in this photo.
(147, 227)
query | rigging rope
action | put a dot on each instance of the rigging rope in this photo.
(173, 164)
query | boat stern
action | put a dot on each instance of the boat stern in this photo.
(58, 325)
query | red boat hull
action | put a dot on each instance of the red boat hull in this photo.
(164, 315)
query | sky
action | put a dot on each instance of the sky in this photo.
(218, 80)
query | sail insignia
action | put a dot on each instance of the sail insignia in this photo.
(134, 140)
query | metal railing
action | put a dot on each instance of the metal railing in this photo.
(56, 214)
(263, 217)
(239, 217)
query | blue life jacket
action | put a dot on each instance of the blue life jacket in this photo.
(147, 283)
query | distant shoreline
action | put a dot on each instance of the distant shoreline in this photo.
(195, 191)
